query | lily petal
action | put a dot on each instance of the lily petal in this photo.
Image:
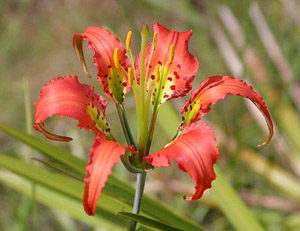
(178, 80)
(216, 88)
(65, 96)
(104, 154)
(103, 43)
(195, 152)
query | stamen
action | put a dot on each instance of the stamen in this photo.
(154, 40)
(156, 73)
(171, 54)
(153, 48)
(128, 40)
(116, 58)
(130, 76)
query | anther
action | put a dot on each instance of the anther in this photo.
(171, 53)
(130, 76)
(154, 40)
(116, 58)
(128, 40)
(156, 73)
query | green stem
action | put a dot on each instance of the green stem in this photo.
(151, 129)
(129, 139)
(125, 126)
(140, 185)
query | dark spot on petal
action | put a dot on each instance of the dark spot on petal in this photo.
(124, 84)
(173, 87)
(179, 66)
(169, 78)
(152, 77)
(159, 62)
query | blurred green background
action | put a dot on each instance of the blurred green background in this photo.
(255, 41)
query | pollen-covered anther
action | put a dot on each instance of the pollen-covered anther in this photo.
(154, 40)
(116, 58)
(128, 40)
(171, 54)
(157, 73)
(130, 76)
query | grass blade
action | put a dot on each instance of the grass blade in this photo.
(147, 221)
(58, 200)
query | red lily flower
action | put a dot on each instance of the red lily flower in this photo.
(195, 150)
(162, 71)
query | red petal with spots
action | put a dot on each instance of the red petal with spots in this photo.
(195, 152)
(216, 88)
(65, 96)
(104, 154)
(184, 66)
(103, 43)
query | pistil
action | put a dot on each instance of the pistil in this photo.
(144, 117)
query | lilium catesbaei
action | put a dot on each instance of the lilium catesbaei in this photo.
(162, 71)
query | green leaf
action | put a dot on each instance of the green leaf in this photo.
(226, 197)
(232, 206)
(147, 221)
(55, 181)
(58, 200)
(114, 187)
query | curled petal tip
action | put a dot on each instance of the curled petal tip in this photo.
(216, 88)
(186, 198)
(66, 97)
(77, 44)
(52, 136)
(267, 140)
(109, 57)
